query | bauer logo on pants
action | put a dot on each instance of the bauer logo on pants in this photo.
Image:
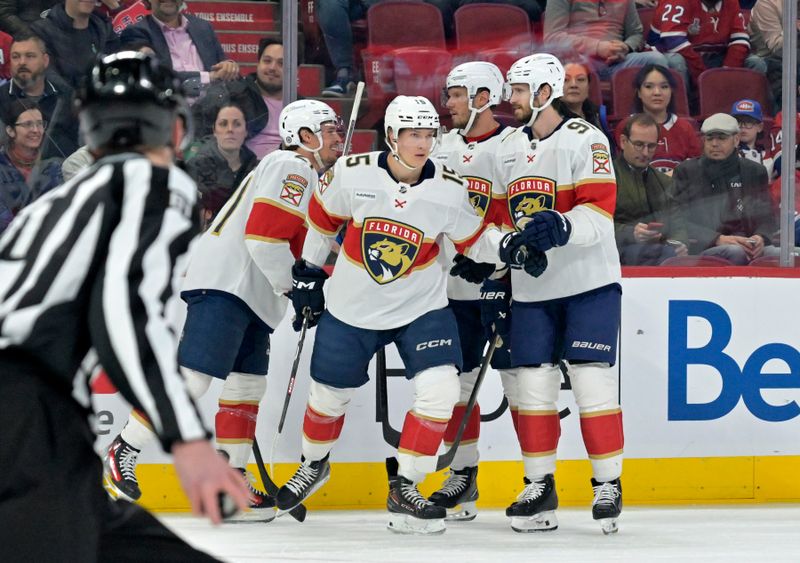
(480, 192)
(389, 248)
(530, 195)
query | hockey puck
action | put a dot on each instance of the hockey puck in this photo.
(226, 506)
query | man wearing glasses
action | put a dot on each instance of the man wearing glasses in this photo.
(724, 198)
(645, 224)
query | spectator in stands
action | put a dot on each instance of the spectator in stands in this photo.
(222, 161)
(259, 94)
(577, 83)
(31, 84)
(334, 21)
(23, 176)
(766, 38)
(751, 129)
(609, 33)
(16, 16)
(5, 57)
(654, 85)
(706, 33)
(648, 229)
(724, 199)
(776, 142)
(185, 43)
(75, 36)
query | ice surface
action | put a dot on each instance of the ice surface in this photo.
(687, 533)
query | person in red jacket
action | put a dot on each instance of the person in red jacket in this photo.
(677, 138)
(706, 33)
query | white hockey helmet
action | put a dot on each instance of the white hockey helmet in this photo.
(306, 114)
(409, 112)
(474, 76)
(535, 71)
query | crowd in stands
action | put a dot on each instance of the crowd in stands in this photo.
(689, 183)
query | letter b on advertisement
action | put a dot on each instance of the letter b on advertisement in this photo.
(745, 383)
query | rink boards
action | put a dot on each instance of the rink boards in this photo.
(710, 390)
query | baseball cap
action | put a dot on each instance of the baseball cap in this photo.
(720, 123)
(747, 108)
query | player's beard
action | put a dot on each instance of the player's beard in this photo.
(526, 115)
(459, 122)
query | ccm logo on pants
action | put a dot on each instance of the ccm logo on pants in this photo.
(434, 344)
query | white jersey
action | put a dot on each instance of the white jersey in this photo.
(474, 160)
(389, 272)
(569, 171)
(249, 249)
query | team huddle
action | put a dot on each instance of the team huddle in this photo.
(525, 218)
(484, 234)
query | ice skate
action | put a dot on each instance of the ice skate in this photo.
(534, 509)
(607, 504)
(262, 505)
(119, 471)
(410, 512)
(308, 478)
(458, 494)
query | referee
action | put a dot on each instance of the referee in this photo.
(86, 275)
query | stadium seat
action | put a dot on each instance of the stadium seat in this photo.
(420, 71)
(401, 23)
(623, 94)
(718, 88)
(310, 80)
(701, 261)
(485, 26)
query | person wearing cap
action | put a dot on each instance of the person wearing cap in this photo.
(723, 198)
(751, 127)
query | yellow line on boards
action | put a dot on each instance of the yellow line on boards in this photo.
(714, 480)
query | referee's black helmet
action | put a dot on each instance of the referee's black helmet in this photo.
(128, 100)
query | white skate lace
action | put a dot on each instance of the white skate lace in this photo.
(251, 482)
(411, 494)
(303, 479)
(532, 491)
(127, 464)
(455, 484)
(605, 493)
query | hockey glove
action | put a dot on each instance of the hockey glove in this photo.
(545, 230)
(307, 297)
(535, 263)
(473, 272)
(496, 308)
(512, 250)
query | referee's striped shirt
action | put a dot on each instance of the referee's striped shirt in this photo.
(90, 267)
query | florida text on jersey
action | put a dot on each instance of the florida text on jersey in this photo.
(388, 271)
(569, 171)
(474, 160)
(267, 213)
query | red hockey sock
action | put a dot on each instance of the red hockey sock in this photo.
(236, 422)
(421, 436)
(319, 428)
(471, 431)
(539, 432)
(602, 433)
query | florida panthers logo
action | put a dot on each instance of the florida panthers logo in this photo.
(480, 193)
(530, 195)
(389, 248)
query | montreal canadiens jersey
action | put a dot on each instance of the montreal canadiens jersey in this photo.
(389, 271)
(249, 249)
(474, 160)
(569, 171)
(689, 27)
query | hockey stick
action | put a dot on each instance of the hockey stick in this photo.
(497, 413)
(290, 386)
(299, 511)
(351, 126)
(447, 458)
(390, 435)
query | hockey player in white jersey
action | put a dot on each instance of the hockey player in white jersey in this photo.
(560, 195)
(388, 285)
(235, 288)
(471, 92)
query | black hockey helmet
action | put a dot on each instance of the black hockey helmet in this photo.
(130, 99)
